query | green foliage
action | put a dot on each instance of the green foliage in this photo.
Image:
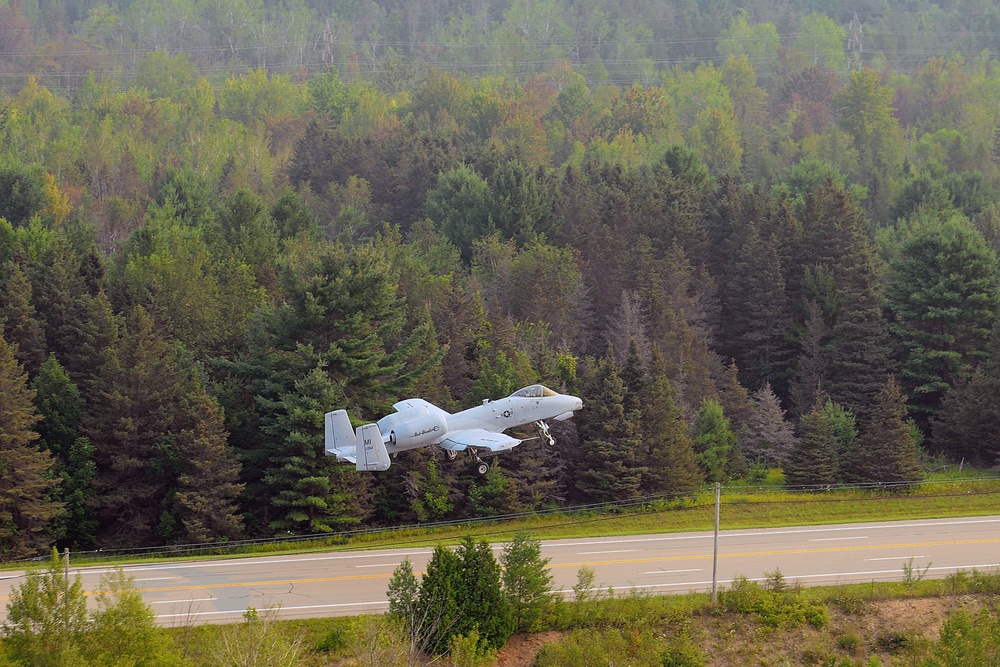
(944, 295)
(813, 459)
(438, 606)
(609, 439)
(613, 646)
(468, 651)
(257, 642)
(967, 639)
(48, 624)
(527, 582)
(713, 440)
(886, 450)
(25, 501)
(47, 611)
(22, 194)
(775, 607)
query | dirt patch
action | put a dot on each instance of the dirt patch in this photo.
(521, 649)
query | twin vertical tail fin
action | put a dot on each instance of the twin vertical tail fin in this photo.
(371, 451)
(363, 447)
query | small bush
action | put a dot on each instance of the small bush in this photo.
(334, 640)
(774, 608)
(893, 642)
(849, 641)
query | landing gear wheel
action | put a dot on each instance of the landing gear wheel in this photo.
(450, 454)
(482, 468)
(544, 428)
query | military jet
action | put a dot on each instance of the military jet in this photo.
(417, 423)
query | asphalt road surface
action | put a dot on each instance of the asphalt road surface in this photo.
(343, 583)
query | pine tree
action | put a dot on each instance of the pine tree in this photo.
(846, 435)
(886, 450)
(670, 462)
(810, 367)
(714, 442)
(206, 490)
(968, 424)
(764, 352)
(768, 437)
(944, 295)
(438, 606)
(607, 468)
(22, 326)
(62, 407)
(308, 491)
(482, 603)
(25, 484)
(860, 357)
(527, 582)
(813, 459)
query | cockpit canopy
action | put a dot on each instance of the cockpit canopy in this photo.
(534, 391)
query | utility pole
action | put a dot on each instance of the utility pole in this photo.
(327, 38)
(854, 45)
(715, 549)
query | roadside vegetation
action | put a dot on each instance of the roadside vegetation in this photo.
(465, 612)
(761, 500)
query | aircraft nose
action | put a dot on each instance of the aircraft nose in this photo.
(577, 404)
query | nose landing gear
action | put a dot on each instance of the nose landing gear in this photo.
(544, 428)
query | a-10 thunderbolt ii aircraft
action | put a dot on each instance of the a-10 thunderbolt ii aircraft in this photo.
(417, 423)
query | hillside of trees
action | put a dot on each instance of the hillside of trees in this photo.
(744, 242)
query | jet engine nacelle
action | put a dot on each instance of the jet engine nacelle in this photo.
(423, 430)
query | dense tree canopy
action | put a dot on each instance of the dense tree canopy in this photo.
(216, 225)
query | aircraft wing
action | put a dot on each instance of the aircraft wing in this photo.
(478, 438)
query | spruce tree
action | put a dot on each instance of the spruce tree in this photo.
(860, 356)
(62, 407)
(769, 437)
(22, 326)
(810, 375)
(764, 351)
(886, 451)
(309, 492)
(438, 606)
(25, 483)
(968, 425)
(944, 295)
(714, 442)
(813, 459)
(482, 603)
(527, 583)
(206, 490)
(609, 441)
(668, 454)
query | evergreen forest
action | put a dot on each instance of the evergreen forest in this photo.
(749, 236)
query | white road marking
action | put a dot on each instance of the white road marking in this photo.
(380, 565)
(280, 610)
(614, 551)
(696, 569)
(895, 557)
(836, 539)
(833, 575)
(182, 601)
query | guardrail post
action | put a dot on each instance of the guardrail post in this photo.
(66, 560)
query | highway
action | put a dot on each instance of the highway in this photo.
(343, 583)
